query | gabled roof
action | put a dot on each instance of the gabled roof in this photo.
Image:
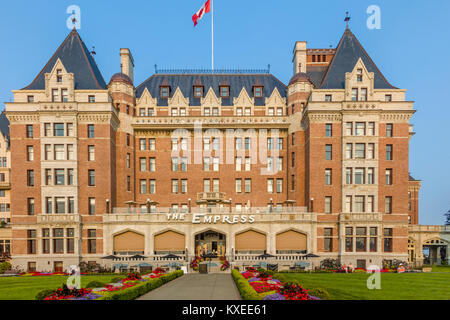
(347, 55)
(77, 59)
(186, 83)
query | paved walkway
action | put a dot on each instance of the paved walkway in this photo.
(196, 287)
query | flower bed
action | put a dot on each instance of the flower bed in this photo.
(267, 287)
(128, 288)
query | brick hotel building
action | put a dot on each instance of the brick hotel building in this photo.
(93, 171)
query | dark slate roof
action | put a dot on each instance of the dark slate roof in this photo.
(236, 82)
(411, 178)
(4, 125)
(77, 59)
(316, 74)
(347, 55)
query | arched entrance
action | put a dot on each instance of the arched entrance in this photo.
(434, 251)
(210, 242)
(291, 241)
(129, 243)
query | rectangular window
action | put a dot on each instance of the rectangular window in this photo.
(349, 128)
(388, 205)
(359, 176)
(30, 153)
(30, 178)
(58, 241)
(91, 206)
(328, 175)
(280, 143)
(360, 151)
(328, 130)
(280, 164)
(47, 129)
(293, 160)
(71, 205)
(224, 91)
(349, 151)
(91, 153)
(48, 205)
(29, 131)
(363, 94)
(371, 151)
(55, 95)
(247, 143)
(389, 152)
(388, 98)
(91, 131)
(248, 185)
(270, 185)
(248, 164)
(361, 244)
(389, 177)
(30, 99)
(70, 152)
(279, 185)
(174, 144)
(142, 144)
(371, 128)
(216, 144)
(370, 204)
(143, 186)
(216, 185)
(388, 240)
(59, 152)
(128, 184)
(238, 185)
(359, 204)
(152, 187)
(164, 92)
(65, 95)
(184, 189)
(152, 144)
(206, 185)
(328, 201)
(70, 177)
(370, 175)
(175, 186)
(238, 143)
(348, 204)
(328, 98)
(258, 92)
(360, 128)
(91, 178)
(30, 206)
(328, 244)
(60, 205)
(238, 164)
(348, 244)
(328, 152)
(174, 164)
(206, 164)
(215, 164)
(373, 244)
(389, 130)
(354, 94)
(92, 242)
(348, 176)
(59, 177)
(152, 164)
(183, 164)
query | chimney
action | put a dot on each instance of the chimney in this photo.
(299, 59)
(127, 63)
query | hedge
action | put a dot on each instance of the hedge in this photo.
(245, 289)
(141, 289)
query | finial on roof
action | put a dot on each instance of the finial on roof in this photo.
(347, 18)
(74, 22)
(93, 51)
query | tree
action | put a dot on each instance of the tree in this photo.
(447, 218)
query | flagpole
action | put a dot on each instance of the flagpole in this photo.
(212, 35)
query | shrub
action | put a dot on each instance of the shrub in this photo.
(5, 266)
(41, 295)
(245, 289)
(116, 279)
(95, 284)
(319, 293)
(141, 289)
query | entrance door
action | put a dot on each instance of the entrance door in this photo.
(214, 246)
(58, 266)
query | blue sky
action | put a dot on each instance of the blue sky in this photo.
(411, 49)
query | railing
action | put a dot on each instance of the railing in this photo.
(210, 71)
(278, 258)
(217, 210)
(420, 228)
(207, 196)
(366, 217)
(212, 120)
(59, 218)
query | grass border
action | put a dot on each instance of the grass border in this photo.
(246, 291)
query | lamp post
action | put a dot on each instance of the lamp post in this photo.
(107, 206)
(148, 205)
(231, 202)
(311, 207)
(271, 205)
(190, 208)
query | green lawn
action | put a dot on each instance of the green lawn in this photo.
(407, 286)
(26, 288)
(441, 268)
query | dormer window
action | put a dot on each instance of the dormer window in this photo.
(258, 92)
(165, 90)
(224, 91)
(328, 98)
(198, 92)
(59, 75)
(388, 98)
(91, 99)
(359, 76)
(30, 99)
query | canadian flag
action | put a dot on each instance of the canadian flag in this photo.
(199, 15)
